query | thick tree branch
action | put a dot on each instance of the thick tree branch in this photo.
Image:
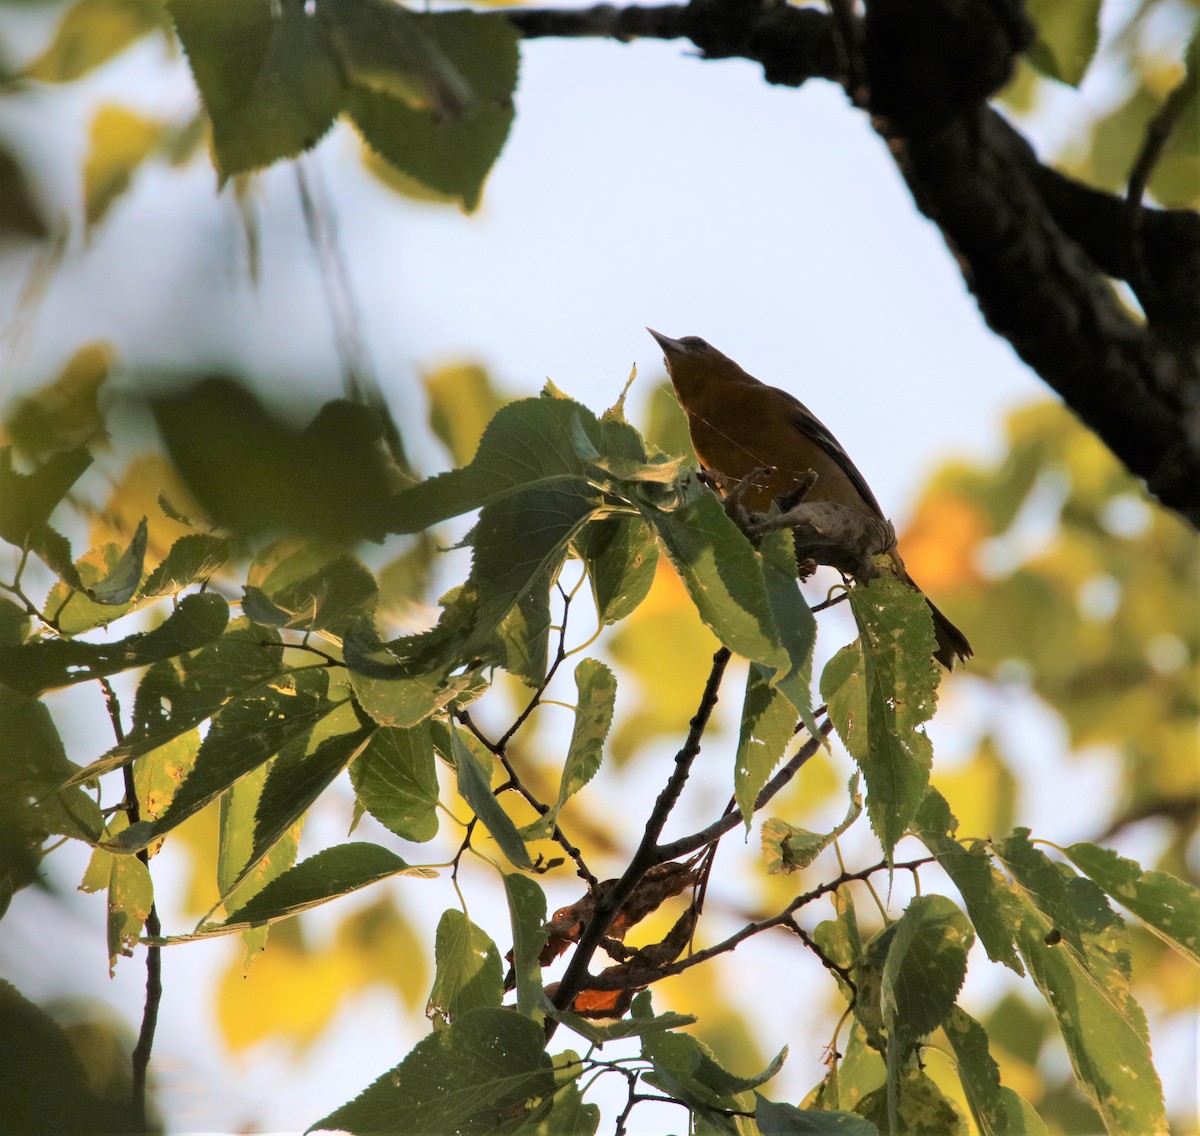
(1035, 247)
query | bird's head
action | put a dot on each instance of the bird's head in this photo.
(690, 346)
(694, 362)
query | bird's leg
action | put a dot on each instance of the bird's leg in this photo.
(733, 493)
(804, 484)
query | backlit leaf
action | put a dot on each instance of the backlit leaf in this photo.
(488, 1063)
(468, 969)
(268, 76)
(395, 780)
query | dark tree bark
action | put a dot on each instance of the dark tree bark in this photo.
(1039, 250)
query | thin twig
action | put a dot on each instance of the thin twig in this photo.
(154, 989)
(498, 749)
(628, 979)
(540, 807)
(1158, 131)
(823, 958)
(466, 843)
(688, 844)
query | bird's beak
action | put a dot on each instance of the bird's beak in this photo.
(670, 346)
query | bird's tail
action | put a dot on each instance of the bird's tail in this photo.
(951, 643)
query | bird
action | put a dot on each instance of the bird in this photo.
(739, 425)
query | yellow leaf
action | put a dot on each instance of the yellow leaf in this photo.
(462, 401)
(120, 142)
(668, 652)
(91, 33)
(981, 792)
(63, 413)
(135, 496)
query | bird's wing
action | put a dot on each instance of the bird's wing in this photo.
(812, 426)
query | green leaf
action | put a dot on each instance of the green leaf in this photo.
(268, 76)
(597, 1033)
(450, 156)
(253, 471)
(518, 543)
(787, 1120)
(395, 780)
(1074, 905)
(859, 1073)
(27, 500)
(921, 1109)
(46, 1088)
(384, 47)
(243, 735)
(55, 552)
(489, 1064)
(1103, 1027)
(34, 802)
(925, 967)
(839, 939)
(1067, 37)
(468, 975)
(597, 692)
(719, 568)
(997, 1110)
(406, 702)
(234, 847)
(341, 589)
(475, 787)
(787, 848)
(527, 911)
(1167, 905)
(621, 556)
(130, 894)
(192, 559)
(525, 630)
(526, 445)
(795, 621)
(768, 724)
(568, 1115)
(159, 773)
(122, 580)
(685, 1068)
(331, 873)
(880, 690)
(993, 909)
(294, 782)
(49, 664)
(64, 412)
(175, 697)
(90, 33)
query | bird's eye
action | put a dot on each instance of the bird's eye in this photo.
(695, 343)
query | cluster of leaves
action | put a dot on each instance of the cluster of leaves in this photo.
(1164, 74)
(430, 93)
(256, 715)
